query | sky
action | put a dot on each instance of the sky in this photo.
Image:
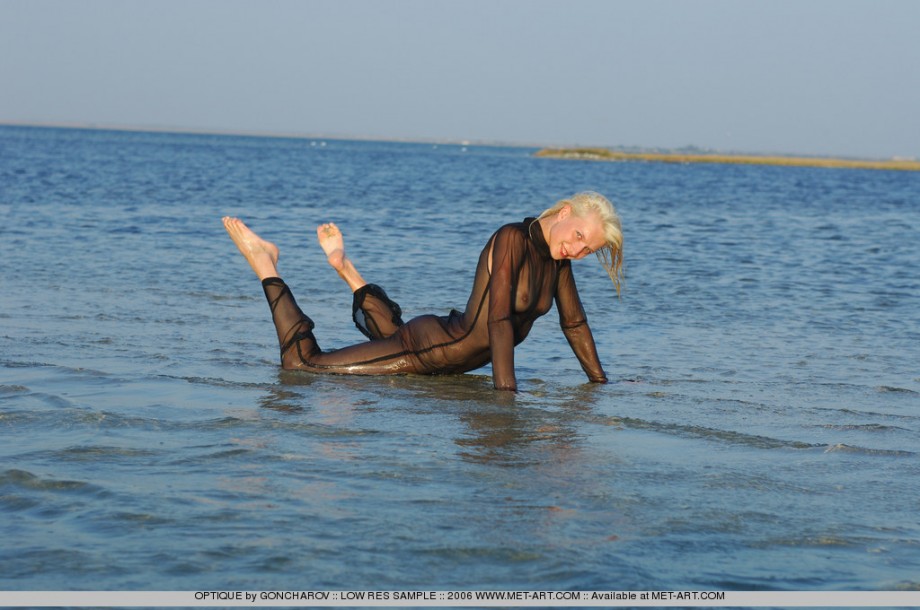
(813, 77)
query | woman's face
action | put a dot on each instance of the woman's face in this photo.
(572, 237)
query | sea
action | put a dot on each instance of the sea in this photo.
(760, 429)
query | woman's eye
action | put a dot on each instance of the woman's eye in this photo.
(579, 235)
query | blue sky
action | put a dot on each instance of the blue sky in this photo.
(836, 77)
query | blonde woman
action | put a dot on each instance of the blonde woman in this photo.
(524, 268)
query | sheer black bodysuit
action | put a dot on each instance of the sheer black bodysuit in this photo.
(521, 286)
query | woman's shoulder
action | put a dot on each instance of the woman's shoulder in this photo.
(512, 229)
(512, 236)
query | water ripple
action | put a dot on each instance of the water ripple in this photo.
(758, 431)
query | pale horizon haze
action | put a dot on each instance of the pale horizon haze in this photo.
(813, 77)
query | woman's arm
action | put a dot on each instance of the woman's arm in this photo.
(506, 257)
(575, 325)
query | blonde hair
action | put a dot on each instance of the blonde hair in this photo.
(611, 254)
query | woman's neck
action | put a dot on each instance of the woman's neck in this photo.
(546, 223)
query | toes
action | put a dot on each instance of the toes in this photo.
(327, 230)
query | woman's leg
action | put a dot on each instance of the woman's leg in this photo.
(374, 313)
(292, 325)
(333, 244)
(261, 255)
(298, 345)
(299, 350)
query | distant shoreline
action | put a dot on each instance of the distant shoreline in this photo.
(572, 153)
(604, 154)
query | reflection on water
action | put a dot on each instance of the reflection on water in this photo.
(498, 433)
(282, 399)
(495, 436)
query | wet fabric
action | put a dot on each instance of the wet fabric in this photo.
(522, 285)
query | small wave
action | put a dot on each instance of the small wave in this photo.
(13, 389)
(219, 455)
(66, 561)
(54, 400)
(758, 441)
(23, 479)
(93, 373)
(220, 423)
(866, 427)
(91, 453)
(730, 436)
(861, 413)
(888, 388)
(112, 420)
(829, 540)
(215, 381)
(105, 522)
(210, 296)
(68, 418)
(843, 448)
(482, 553)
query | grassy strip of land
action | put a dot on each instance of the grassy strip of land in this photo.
(604, 154)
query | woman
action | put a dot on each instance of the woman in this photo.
(524, 267)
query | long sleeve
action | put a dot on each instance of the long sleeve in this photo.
(508, 249)
(575, 325)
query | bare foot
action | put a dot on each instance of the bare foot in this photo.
(261, 255)
(333, 244)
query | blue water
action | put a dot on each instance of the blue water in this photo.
(760, 430)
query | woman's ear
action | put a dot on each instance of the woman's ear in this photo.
(563, 213)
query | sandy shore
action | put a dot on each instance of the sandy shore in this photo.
(603, 154)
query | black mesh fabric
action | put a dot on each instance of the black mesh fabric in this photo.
(516, 282)
(374, 313)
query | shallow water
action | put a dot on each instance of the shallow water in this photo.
(759, 431)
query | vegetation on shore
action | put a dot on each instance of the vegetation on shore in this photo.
(604, 154)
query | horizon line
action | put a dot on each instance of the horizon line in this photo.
(298, 135)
